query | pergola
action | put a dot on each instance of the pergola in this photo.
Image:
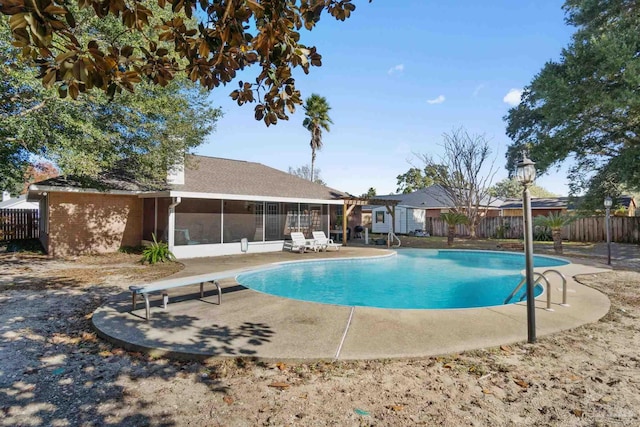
(351, 202)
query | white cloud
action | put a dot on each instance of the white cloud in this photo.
(396, 69)
(513, 97)
(478, 88)
(438, 100)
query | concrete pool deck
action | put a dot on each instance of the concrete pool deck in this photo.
(249, 323)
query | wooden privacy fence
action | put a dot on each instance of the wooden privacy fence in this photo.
(16, 224)
(588, 229)
(624, 229)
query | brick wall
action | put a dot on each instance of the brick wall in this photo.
(83, 223)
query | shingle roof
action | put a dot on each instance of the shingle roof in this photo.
(212, 175)
(104, 182)
(217, 175)
(626, 201)
(433, 196)
(559, 202)
(538, 203)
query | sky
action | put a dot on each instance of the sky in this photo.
(398, 75)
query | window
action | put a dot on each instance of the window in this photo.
(380, 217)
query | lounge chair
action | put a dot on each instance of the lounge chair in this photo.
(299, 243)
(325, 243)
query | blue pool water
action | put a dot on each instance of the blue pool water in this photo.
(413, 279)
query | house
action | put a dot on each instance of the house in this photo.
(539, 206)
(207, 207)
(16, 202)
(629, 204)
(560, 205)
(414, 209)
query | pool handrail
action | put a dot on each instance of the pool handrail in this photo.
(390, 238)
(542, 276)
(564, 285)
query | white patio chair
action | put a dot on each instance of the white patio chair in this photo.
(299, 243)
(324, 242)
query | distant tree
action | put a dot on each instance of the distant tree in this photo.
(453, 219)
(412, 180)
(37, 172)
(371, 193)
(317, 118)
(305, 172)
(464, 174)
(585, 107)
(510, 188)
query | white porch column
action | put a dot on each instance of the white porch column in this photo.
(172, 222)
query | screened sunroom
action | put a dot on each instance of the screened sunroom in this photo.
(196, 227)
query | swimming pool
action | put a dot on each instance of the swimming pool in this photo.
(412, 279)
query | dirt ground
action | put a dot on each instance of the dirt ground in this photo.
(54, 371)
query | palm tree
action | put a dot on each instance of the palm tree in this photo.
(317, 111)
(555, 221)
(453, 219)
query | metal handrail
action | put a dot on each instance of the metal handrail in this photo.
(564, 285)
(542, 276)
(390, 238)
(517, 288)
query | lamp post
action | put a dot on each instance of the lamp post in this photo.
(526, 174)
(607, 205)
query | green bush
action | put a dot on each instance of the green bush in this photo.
(542, 234)
(157, 252)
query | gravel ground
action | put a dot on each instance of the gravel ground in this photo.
(55, 372)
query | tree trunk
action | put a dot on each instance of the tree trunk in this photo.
(557, 240)
(313, 161)
(472, 231)
(451, 235)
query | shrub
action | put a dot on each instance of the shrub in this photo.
(157, 252)
(542, 234)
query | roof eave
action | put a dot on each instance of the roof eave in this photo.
(251, 197)
(37, 191)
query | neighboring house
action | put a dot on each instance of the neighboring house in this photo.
(414, 208)
(207, 208)
(630, 204)
(539, 206)
(16, 202)
(560, 205)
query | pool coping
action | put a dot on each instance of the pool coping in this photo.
(253, 324)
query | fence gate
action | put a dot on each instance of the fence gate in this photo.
(17, 224)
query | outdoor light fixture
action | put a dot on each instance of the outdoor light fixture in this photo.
(526, 171)
(607, 204)
(526, 174)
